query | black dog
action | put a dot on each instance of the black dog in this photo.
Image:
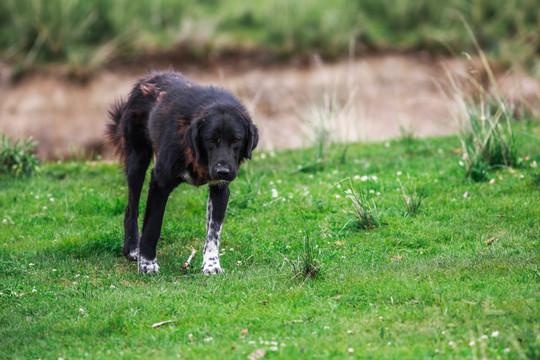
(199, 134)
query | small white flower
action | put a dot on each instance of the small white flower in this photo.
(533, 164)
(364, 178)
(506, 350)
(31, 264)
(4, 221)
(371, 191)
(231, 249)
(378, 193)
(112, 286)
(374, 177)
(337, 196)
(34, 290)
(349, 332)
(54, 270)
(452, 344)
(51, 199)
(466, 194)
(37, 197)
(350, 350)
(483, 337)
(238, 263)
(495, 334)
(274, 193)
(44, 208)
(327, 328)
(492, 181)
(263, 156)
(461, 163)
(387, 144)
(272, 154)
(472, 343)
(399, 173)
(356, 177)
(77, 275)
(82, 311)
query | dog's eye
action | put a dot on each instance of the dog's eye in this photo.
(211, 140)
(235, 141)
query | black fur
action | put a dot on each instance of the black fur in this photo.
(198, 134)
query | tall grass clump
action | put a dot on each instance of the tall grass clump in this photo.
(485, 122)
(365, 212)
(17, 157)
(412, 198)
(307, 265)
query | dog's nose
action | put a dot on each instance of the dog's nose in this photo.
(222, 171)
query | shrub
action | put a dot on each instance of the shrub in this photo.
(17, 157)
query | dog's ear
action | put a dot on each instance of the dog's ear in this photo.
(193, 140)
(252, 140)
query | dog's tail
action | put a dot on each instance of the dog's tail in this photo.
(114, 133)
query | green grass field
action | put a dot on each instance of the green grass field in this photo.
(459, 279)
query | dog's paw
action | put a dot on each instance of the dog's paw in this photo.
(212, 268)
(132, 255)
(147, 266)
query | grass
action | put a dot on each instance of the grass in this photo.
(17, 157)
(435, 285)
(88, 34)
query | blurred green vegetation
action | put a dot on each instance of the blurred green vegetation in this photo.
(89, 33)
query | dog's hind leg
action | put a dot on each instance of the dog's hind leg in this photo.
(218, 198)
(138, 154)
(137, 164)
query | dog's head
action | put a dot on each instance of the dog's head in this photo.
(221, 138)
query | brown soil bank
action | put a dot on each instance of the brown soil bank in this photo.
(366, 99)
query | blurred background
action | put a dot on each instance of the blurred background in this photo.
(362, 70)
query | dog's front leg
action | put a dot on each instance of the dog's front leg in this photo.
(218, 198)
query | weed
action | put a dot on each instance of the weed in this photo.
(17, 158)
(485, 123)
(412, 199)
(307, 264)
(367, 216)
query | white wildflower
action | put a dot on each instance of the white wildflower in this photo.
(399, 173)
(495, 334)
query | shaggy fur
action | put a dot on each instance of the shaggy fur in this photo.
(198, 134)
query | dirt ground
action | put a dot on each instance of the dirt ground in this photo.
(368, 99)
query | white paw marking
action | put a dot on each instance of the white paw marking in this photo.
(133, 255)
(211, 265)
(148, 266)
(212, 269)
